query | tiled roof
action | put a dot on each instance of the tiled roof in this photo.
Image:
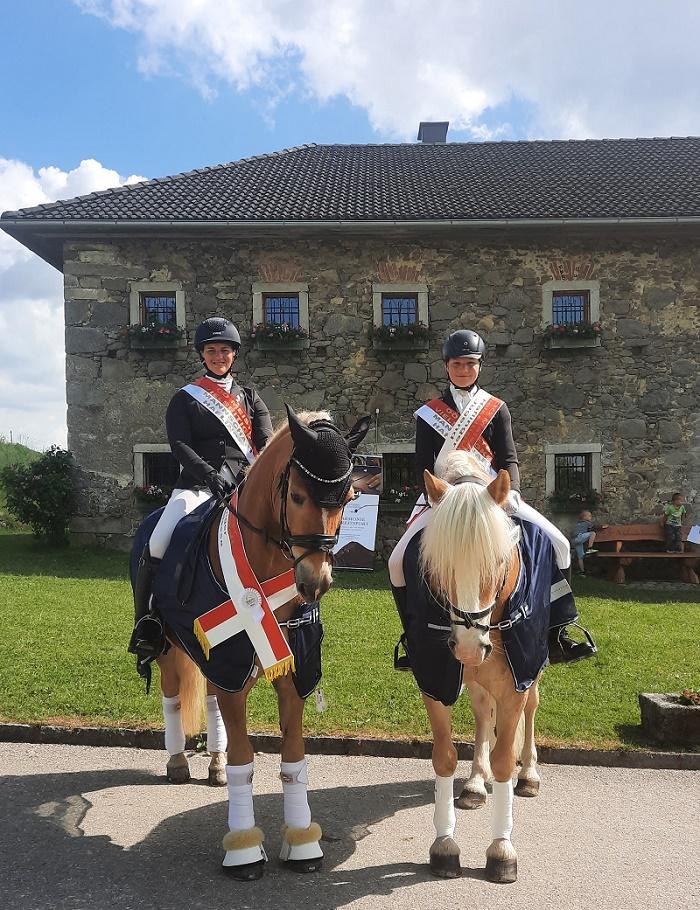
(620, 178)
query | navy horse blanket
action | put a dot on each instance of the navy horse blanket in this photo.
(542, 600)
(185, 588)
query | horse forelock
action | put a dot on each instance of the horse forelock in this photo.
(467, 545)
(462, 464)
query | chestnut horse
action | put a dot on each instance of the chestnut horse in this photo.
(471, 562)
(282, 525)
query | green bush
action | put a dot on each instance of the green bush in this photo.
(41, 494)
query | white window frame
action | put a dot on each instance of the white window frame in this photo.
(595, 449)
(550, 287)
(145, 448)
(281, 287)
(403, 287)
(136, 288)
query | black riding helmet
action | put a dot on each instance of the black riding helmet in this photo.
(463, 343)
(216, 328)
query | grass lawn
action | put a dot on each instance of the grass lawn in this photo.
(66, 618)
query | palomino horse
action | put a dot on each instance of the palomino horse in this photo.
(472, 564)
(289, 512)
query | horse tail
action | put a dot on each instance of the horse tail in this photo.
(191, 693)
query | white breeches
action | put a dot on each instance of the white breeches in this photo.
(560, 542)
(181, 503)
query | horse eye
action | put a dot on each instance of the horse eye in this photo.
(297, 499)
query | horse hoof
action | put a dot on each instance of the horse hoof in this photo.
(217, 770)
(444, 858)
(527, 788)
(501, 871)
(301, 848)
(470, 799)
(250, 872)
(178, 770)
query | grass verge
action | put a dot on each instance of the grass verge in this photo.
(66, 617)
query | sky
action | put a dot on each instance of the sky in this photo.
(95, 93)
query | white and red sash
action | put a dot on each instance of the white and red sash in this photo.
(228, 409)
(463, 432)
(251, 605)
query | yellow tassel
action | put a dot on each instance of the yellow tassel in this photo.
(202, 638)
(281, 668)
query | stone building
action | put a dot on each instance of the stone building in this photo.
(510, 238)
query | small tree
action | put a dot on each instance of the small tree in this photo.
(41, 494)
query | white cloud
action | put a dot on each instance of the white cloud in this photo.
(601, 68)
(32, 382)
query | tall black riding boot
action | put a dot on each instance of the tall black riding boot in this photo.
(147, 639)
(564, 650)
(401, 661)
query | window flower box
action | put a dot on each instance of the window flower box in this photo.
(573, 335)
(155, 335)
(274, 337)
(574, 500)
(414, 336)
(152, 496)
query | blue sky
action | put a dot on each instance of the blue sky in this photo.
(97, 92)
(77, 93)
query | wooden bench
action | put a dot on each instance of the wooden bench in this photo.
(626, 539)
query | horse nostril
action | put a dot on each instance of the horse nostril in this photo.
(487, 651)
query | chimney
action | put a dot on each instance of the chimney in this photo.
(433, 131)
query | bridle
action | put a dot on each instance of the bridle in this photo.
(312, 543)
(469, 619)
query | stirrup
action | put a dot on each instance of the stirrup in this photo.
(402, 661)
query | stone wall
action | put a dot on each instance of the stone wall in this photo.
(636, 394)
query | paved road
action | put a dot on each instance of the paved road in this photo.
(86, 828)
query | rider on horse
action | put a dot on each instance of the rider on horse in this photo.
(193, 421)
(213, 425)
(469, 418)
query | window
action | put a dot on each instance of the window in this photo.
(399, 470)
(281, 309)
(155, 465)
(572, 473)
(159, 302)
(570, 302)
(280, 303)
(160, 469)
(573, 467)
(400, 303)
(571, 307)
(157, 308)
(399, 309)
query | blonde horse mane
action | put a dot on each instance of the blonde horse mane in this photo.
(468, 542)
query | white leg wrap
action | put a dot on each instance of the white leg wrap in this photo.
(216, 731)
(240, 797)
(444, 816)
(502, 810)
(295, 785)
(174, 734)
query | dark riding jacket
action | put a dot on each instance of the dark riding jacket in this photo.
(190, 422)
(498, 434)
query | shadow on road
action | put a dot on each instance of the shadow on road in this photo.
(50, 863)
